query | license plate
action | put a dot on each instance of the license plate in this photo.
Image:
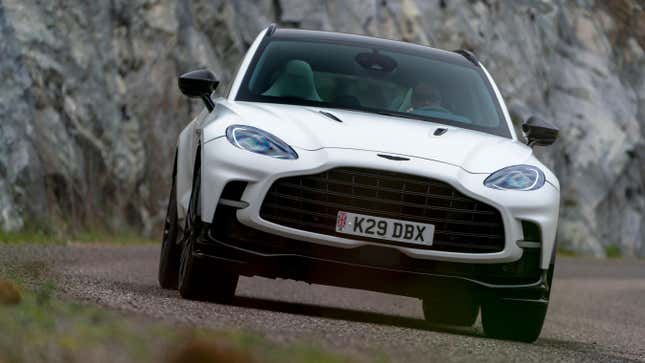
(384, 228)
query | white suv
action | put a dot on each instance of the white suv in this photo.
(368, 163)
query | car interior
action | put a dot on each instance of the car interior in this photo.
(360, 78)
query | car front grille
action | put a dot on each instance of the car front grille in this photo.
(311, 203)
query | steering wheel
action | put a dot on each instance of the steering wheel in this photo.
(450, 116)
(432, 108)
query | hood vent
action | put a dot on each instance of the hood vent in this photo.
(392, 157)
(440, 131)
(331, 116)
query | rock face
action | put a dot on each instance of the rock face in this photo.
(90, 109)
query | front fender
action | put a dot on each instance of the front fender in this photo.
(187, 144)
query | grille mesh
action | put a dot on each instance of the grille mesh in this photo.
(311, 203)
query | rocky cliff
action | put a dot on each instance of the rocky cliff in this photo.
(90, 109)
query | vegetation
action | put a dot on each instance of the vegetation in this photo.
(613, 251)
(30, 235)
(43, 328)
(566, 253)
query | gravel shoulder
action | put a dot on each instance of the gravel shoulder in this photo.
(597, 311)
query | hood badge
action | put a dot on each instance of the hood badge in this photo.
(392, 157)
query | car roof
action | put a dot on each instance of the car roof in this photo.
(371, 42)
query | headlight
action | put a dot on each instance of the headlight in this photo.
(517, 177)
(259, 141)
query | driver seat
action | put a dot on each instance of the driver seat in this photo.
(296, 80)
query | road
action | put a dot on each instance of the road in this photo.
(597, 311)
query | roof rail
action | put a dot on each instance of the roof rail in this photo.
(271, 29)
(468, 55)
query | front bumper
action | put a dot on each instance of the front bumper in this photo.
(234, 246)
(223, 163)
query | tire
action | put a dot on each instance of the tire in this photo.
(459, 308)
(197, 279)
(515, 319)
(170, 250)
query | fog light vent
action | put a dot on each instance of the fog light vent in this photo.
(232, 194)
(234, 190)
(531, 231)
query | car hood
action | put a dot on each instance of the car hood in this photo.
(307, 128)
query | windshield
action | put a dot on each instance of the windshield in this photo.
(385, 81)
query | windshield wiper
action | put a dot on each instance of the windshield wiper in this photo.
(396, 114)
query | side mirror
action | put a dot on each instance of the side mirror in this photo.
(540, 132)
(200, 83)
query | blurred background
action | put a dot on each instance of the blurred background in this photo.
(90, 110)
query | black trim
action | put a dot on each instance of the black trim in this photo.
(272, 28)
(371, 42)
(230, 231)
(472, 58)
(208, 102)
(248, 262)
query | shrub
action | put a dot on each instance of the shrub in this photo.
(9, 293)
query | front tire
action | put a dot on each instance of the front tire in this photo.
(516, 319)
(513, 320)
(170, 251)
(199, 280)
(459, 308)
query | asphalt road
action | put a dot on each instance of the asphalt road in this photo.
(597, 311)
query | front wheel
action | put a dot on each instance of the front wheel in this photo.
(513, 319)
(170, 251)
(200, 280)
(518, 319)
(458, 308)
